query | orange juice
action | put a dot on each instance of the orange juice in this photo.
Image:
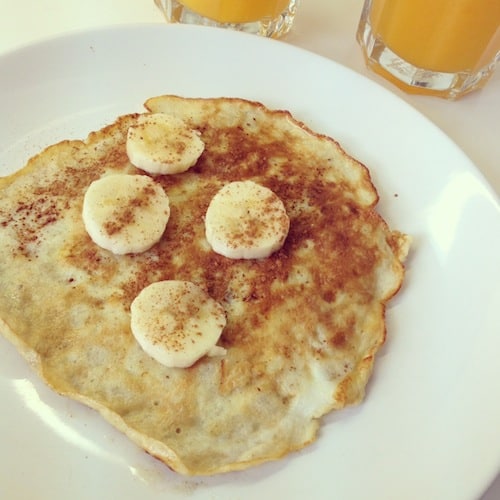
(445, 48)
(439, 35)
(236, 11)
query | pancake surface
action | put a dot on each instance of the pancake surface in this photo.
(303, 325)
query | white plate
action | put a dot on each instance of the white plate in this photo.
(429, 425)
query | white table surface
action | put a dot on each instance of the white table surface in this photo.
(326, 27)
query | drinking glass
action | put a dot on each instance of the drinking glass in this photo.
(271, 18)
(445, 48)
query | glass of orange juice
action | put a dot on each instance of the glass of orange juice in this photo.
(445, 48)
(272, 18)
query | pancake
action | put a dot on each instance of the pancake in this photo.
(303, 325)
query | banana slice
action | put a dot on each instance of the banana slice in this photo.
(163, 144)
(245, 220)
(177, 322)
(125, 213)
